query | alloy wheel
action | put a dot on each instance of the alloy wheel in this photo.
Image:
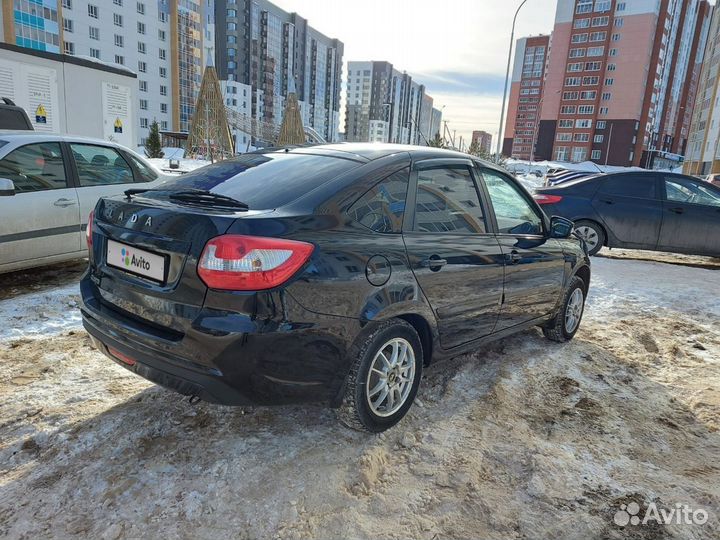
(391, 377)
(573, 311)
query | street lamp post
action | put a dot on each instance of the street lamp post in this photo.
(507, 77)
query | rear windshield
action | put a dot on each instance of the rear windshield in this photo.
(264, 181)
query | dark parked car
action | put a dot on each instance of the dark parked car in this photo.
(328, 274)
(644, 210)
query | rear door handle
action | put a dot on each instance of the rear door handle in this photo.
(64, 202)
(607, 201)
(433, 264)
(676, 210)
(514, 257)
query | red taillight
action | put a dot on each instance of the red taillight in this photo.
(547, 199)
(251, 263)
(88, 229)
(125, 359)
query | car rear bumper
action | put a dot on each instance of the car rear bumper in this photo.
(271, 362)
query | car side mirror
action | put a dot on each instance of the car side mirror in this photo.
(7, 187)
(560, 227)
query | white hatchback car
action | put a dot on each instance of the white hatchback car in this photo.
(48, 186)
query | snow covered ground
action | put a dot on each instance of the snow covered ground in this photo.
(522, 439)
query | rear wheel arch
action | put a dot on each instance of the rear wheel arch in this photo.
(422, 327)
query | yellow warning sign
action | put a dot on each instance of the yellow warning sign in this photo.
(40, 115)
(118, 125)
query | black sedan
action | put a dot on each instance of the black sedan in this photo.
(328, 274)
(643, 210)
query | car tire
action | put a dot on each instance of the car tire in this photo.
(364, 408)
(566, 322)
(592, 233)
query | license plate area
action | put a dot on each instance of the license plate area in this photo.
(136, 261)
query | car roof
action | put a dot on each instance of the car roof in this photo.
(36, 136)
(366, 152)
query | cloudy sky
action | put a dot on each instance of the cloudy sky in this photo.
(457, 48)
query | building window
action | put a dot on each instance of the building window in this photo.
(600, 21)
(619, 22)
(606, 96)
(568, 109)
(583, 124)
(595, 154)
(613, 52)
(119, 41)
(161, 35)
(164, 125)
(586, 109)
(142, 66)
(588, 94)
(117, 2)
(603, 111)
(143, 86)
(579, 38)
(141, 47)
(162, 54)
(564, 137)
(67, 25)
(141, 8)
(95, 53)
(163, 90)
(565, 123)
(162, 17)
(163, 108)
(561, 153)
(616, 37)
(141, 27)
(143, 104)
(579, 154)
(598, 36)
(117, 19)
(68, 47)
(581, 137)
(596, 51)
(577, 66)
(601, 124)
(67, 4)
(119, 59)
(94, 33)
(231, 13)
(581, 23)
(609, 82)
(163, 72)
(231, 26)
(611, 67)
(92, 11)
(572, 81)
(144, 123)
(593, 66)
(598, 138)
(620, 6)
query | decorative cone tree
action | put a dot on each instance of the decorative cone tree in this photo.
(209, 136)
(291, 129)
(153, 147)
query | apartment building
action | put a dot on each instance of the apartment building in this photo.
(163, 41)
(276, 52)
(526, 90)
(703, 153)
(385, 105)
(483, 140)
(620, 80)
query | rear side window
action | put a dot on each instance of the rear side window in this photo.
(100, 165)
(447, 201)
(35, 167)
(264, 181)
(145, 173)
(630, 185)
(381, 208)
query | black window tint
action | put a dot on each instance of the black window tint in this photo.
(146, 174)
(100, 165)
(685, 190)
(447, 201)
(264, 181)
(381, 208)
(35, 167)
(630, 185)
(513, 211)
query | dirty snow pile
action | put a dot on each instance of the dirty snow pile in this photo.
(523, 439)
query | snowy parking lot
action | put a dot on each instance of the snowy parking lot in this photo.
(522, 439)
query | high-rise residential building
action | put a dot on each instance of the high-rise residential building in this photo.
(703, 152)
(435, 123)
(35, 24)
(619, 82)
(483, 140)
(163, 41)
(385, 105)
(275, 52)
(525, 94)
